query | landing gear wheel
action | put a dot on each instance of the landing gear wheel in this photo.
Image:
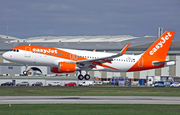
(24, 72)
(87, 77)
(80, 77)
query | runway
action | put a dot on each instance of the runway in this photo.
(88, 100)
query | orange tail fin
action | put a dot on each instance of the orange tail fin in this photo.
(160, 48)
(155, 55)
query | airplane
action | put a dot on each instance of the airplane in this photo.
(62, 60)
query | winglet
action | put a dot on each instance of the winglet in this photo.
(94, 50)
(124, 49)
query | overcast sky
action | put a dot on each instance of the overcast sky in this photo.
(31, 18)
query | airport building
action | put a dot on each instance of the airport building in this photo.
(102, 43)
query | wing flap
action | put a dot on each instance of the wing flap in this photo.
(100, 61)
(106, 59)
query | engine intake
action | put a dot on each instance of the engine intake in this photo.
(64, 67)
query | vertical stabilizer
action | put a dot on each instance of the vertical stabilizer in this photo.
(160, 47)
(155, 55)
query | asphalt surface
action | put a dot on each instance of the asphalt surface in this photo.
(88, 100)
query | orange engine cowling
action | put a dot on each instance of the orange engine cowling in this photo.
(64, 67)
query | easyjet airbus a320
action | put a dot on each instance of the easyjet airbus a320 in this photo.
(68, 60)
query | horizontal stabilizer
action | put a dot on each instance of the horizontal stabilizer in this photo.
(167, 63)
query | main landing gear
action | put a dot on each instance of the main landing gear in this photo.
(86, 77)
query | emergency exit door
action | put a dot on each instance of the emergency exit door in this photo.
(27, 52)
(140, 62)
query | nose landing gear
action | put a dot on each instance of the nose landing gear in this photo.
(25, 71)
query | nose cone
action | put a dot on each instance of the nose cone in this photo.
(6, 55)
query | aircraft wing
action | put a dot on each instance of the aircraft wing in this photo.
(100, 61)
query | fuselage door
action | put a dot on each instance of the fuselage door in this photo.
(140, 62)
(28, 52)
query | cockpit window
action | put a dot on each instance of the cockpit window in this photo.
(14, 50)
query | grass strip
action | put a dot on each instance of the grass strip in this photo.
(88, 91)
(89, 109)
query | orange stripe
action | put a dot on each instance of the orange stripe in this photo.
(54, 52)
(147, 64)
(93, 66)
(103, 65)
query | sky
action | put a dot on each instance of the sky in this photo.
(33, 18)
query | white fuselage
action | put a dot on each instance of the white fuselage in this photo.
(122, 63)
(68, 60)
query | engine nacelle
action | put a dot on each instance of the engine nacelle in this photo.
(64, 67)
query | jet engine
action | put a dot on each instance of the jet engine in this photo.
(64, 67)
